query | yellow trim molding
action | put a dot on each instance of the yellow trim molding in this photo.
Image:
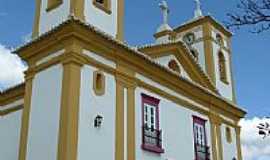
(98, 43)
(163, 33)
(120, 20)
(37, 19)
(77, 8)
(26, 115)
(198, 22)
(119, 121)
(11, 110)
(11, 95)
(186, 60)
(69, 118)
(208, 51)
(52, 4)
(238, 143)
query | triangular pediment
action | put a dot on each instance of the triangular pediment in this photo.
(178, 52)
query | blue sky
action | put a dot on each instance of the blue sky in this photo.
(250, 51)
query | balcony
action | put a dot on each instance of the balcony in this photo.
(152, 140)
(202, 152)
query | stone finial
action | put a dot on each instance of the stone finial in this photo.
(198, 11)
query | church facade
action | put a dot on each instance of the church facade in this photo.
(89, 95)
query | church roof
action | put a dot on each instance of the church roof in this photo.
(132, 50)
(12, 94)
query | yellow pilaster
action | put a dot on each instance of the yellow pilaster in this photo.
(26, 115)
(77, 8)
(208, 51)
(119, 132)
(220, 144)
(68, 133)
(120, 20)
(217, 149)
(37, 19)
(238, 143)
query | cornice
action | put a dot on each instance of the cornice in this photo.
(91, 37)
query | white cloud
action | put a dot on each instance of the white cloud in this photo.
(254, 147)
(11, 68)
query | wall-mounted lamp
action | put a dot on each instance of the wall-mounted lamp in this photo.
(98, 121)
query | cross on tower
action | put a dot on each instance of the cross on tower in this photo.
(165, 11)
(198, 11)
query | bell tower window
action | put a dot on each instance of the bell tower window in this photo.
(104, 5)
(52, 4)
(219, 39)
(222, 67)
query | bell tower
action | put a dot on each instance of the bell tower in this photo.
(106, 15)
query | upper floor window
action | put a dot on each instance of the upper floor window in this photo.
(200, 139)
(151, 134)
(228, 135)
(222, 67)
(219, 39)
(99, 83)
(189, 38)
(104, 5)
(52, 4)
(174, 66)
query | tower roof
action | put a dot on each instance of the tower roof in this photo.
(203, 19)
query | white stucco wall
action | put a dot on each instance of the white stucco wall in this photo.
(165, 61)
(45, 114)
(229, 149)
(54, 17)
(10, 126)
(100, 19)
(176, 123)
(96, 143)
(199, 47)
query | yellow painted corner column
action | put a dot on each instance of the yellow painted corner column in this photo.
(217, 148)
(37, 19)
(68, 133)
(219, 139)
(238, 142)
(26, 115)
(77, 9)
(213, 140)
(120, 20)
(119, 121)
(125, 82)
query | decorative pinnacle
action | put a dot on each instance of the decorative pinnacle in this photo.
(165, 11)
(198, 11)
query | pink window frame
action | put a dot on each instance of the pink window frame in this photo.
(153, 102)
(201, 121)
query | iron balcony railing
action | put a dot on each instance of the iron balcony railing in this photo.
(202, 152)
(152, 137)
